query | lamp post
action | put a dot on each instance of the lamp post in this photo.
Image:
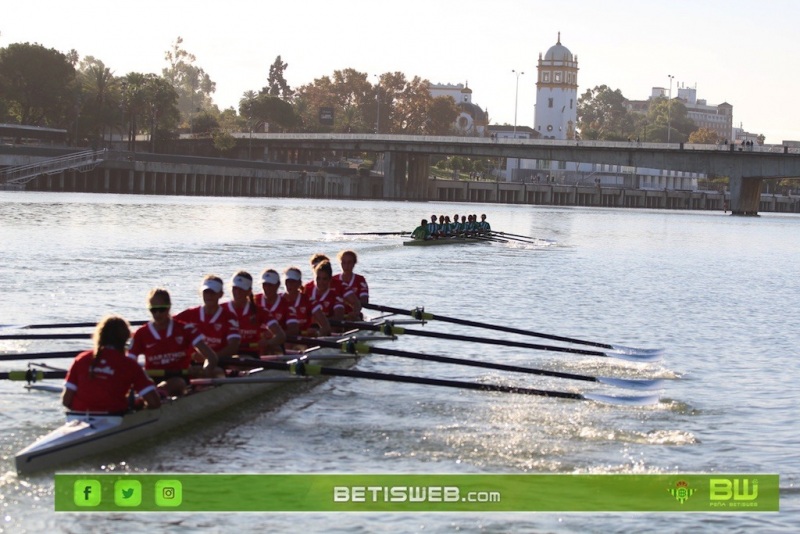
(669, 108)
(516, 96)
(377, 105)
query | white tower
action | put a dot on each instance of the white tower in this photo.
(557, 93)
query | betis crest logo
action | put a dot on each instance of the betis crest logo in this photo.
(681, 491)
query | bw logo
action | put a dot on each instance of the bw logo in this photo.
(681, 491)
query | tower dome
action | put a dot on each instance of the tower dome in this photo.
(558, 52)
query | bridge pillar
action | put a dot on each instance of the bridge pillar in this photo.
(394, 174)
(745, 195)
(419, 166)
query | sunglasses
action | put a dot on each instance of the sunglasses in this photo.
(155, 309)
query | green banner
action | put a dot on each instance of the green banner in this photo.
(416, 493)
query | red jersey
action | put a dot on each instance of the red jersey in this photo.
(167, 349)
(218, 330)
(356, 285)
(253, 324)
(327, 302)
(301, 310)
(104, 386)
(280, 309)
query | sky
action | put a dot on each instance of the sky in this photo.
(741, 52)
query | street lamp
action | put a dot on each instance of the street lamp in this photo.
(669, 108)
(377, 105)
(516, 95)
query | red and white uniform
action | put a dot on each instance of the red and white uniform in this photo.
(104, 386)
(301, 310)
(219, 329)
(279, 309)
(328, 301)
(254, 323)
(169, 349)
(357, 285)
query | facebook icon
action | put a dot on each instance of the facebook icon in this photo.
(87, 492)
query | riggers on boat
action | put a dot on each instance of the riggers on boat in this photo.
(85, 435)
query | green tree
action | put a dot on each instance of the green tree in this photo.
(442, 114)
(191, 83)
(704, 136)
(99, 102)
(663, 113)
(278, 113)
(37, 85)
(407, 103)
(602, 114)
(276, 82)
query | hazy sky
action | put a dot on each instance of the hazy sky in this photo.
(743, 53)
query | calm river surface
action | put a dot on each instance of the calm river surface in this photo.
(718, 293)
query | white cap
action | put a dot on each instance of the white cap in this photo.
(270, 277)
(213, 285)
(242, 283)
(293, 274)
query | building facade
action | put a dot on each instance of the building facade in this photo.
(472, 119)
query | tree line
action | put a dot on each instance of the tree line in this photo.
(45, 87)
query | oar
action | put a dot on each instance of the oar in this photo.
(392, 330)
(523, 236)
(71, 335)
(376, 233)
(516, 239)
(39, 355)
(35, 375)
(304, 369)
(356, 347)
(420, 314)
(58, 325)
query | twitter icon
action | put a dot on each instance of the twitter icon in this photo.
(127, 493)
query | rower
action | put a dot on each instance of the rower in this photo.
(350, 282)
(325, 296)
(305, 316)
(217, 324)
(433, 228)
(260, 332)
(167, 344)
(313, 261)
(484, 225)
(271, 299)
(99, 380)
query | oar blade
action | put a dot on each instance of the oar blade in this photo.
(635, 400)
(628, 383)
(634, 351)
(639, 357)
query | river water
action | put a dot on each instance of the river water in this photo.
(718, 293)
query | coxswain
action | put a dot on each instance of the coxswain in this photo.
(421, 232)
(167, 344)
(99, 380)
(261, 334)
(217, 324)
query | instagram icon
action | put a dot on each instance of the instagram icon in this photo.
(169, 493)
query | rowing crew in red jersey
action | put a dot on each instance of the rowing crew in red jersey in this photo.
(352, 286)
(217, 324)
(271, 299)
(99, 380)
(261, 333)
(307, 315)
(168, 344)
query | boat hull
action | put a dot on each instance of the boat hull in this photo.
(444, 241)
(85, 435)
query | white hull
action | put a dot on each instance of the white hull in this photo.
(86, 435)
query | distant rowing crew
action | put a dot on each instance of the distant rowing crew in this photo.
(467, 226)
(192, 342)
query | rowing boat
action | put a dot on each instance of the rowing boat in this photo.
(85, 435)
(444, 241)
